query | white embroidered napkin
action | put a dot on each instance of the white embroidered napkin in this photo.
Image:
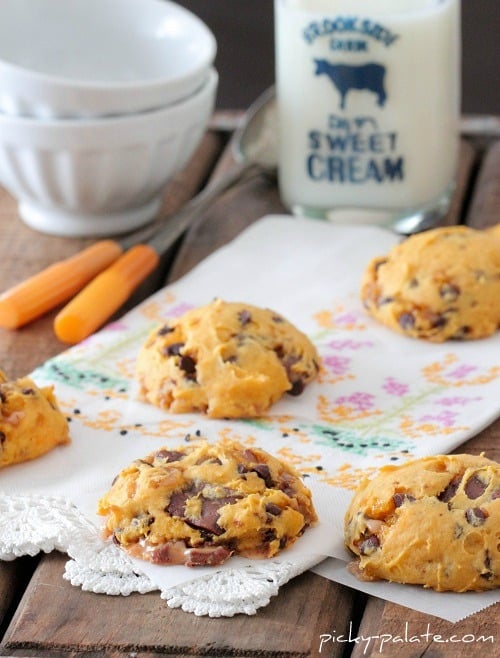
(383, 398)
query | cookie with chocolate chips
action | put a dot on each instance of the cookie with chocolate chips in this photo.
(225, 359)
(31, 423)
(438, 285)
(201, 503)
(434, 521)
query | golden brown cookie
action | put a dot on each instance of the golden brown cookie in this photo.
(31, 423)
(200, 503)
(438, 285)
(434, 521)
(227, 359)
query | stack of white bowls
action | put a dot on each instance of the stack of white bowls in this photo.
(101, 103)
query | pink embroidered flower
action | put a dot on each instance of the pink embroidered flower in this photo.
(445, 418)
(338, 365)
(461, 372)
(360, 401)
(393, 387)
(346, 318)
(349, 344)
(456, 401)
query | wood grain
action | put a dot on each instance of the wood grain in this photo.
(60, 618)
(484, 210)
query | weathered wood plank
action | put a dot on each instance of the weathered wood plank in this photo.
(466, 164)
(13, 576)
(57, 619)
(393, 631)
(485, 206)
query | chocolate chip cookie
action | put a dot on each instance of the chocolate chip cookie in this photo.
(433, 521)
(438, 285)
(201, 503)
(31, 423)
(226, 359)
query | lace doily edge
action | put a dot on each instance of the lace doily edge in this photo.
(90, 568)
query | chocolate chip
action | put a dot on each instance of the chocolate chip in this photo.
(406, 321)
(162, 331)
(3, 396)
(413, 283)
(210, 514)
(169, 455)
(462, 333)
(286, 484)
(447, 494)
(188, 365)
(474, 487)
(177, 503)
(273, 509)
(488, 573)
(298, 387)
(436, 320)
(475, 516)
(207, 556)
(2, 437)
(268, 535)
(369, 545)
(263, 471)
(244, 317)
(280, 352)
(28, 391)
(400, 498)
(449, 292)
(494, 495)
(174, 349)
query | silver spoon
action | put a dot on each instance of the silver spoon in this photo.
(255, 151)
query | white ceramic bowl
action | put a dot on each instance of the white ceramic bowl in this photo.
(89, 58)
(101, 176)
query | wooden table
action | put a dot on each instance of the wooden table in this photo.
(43, 615)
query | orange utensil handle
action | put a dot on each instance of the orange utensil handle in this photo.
(97, 302)
(55, 285)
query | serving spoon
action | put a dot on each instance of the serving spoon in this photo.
(119, 266)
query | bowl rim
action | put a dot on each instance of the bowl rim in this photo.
(113, 130)
(63, 84)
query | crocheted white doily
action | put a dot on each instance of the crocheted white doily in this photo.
(29, 525)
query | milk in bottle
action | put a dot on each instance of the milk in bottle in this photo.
(368, 95)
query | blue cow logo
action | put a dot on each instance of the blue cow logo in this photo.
(350, 76)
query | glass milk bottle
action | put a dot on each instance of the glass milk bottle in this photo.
(368, 102)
